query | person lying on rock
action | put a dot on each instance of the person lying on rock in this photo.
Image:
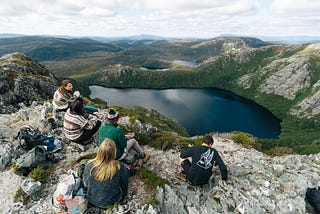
(106, 179)
(77, 127)
(111, 130)
(64, 96)
(199, 170)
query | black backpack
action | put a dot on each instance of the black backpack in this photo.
(313, 197)
(31, 136)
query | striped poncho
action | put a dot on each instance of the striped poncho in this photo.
(61, 99)
(74, 125)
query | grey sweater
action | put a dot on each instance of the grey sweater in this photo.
(103, 194)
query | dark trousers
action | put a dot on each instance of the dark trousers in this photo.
(87, 134)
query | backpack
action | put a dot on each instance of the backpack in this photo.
(131, 157)
(31, 159)
(313, 197)
(31, 137)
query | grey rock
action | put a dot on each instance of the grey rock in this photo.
(257, 183)
(293, 78)
(309, 107)
(23, 80)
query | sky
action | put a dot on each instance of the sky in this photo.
(169, 18)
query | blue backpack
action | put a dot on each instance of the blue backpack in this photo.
(32, 137)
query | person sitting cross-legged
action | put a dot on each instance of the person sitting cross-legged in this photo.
(77, 127)
(199, 170)
(111, 130)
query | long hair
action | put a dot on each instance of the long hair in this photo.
(104, 164)
(63, 86)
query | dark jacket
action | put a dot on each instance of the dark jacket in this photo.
(103, 194)
(203, 159)
(110, 130)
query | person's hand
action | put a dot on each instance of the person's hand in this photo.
(99, 116)
(129, 136)
(76, 94)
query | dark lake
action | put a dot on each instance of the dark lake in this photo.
(200, 111)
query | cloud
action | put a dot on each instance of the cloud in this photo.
(296, 8)
(205, 18)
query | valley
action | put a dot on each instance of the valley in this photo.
(283, 78)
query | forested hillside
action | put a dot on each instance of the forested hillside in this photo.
(284, 79)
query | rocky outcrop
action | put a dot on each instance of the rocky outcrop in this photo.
(292, 76)
(291, 73)
(23, 80)
(310, 106)
(257, 183)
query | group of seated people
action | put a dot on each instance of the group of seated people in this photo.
(106, 176)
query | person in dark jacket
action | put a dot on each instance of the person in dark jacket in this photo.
(199, 170)
(106, 179)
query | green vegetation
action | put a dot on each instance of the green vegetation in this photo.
(39, 174)
(246, 139)
(278, 151)
(168, 140)
(153, 117)
(152, 180)
(302, 135)
(49, 48)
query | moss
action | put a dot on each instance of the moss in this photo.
(278, 151)
(246, 139)
(39, 174)
(112, 207)
(153, 201)
(21, 196)
(152, 180)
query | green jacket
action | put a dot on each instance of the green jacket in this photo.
(110, 130)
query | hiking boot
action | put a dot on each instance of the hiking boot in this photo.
(146, 157)
(133, 171)
(181, 176)
(88, 141)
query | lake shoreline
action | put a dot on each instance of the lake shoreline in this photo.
(177, 107)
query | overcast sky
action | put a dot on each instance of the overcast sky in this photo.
(172, 18)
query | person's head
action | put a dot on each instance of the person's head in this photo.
(76, 107)
(208, 140)
(112, 116)
(66, 85)
(104, 164)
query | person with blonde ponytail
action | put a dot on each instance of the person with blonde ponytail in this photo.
(106, 179)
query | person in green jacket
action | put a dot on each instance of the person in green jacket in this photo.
(110, 130)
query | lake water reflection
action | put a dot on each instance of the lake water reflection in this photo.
(200, 111)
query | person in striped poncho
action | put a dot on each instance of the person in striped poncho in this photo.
(77, 127)
(63, 96)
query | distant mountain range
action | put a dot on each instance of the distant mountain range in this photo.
(285, 39)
